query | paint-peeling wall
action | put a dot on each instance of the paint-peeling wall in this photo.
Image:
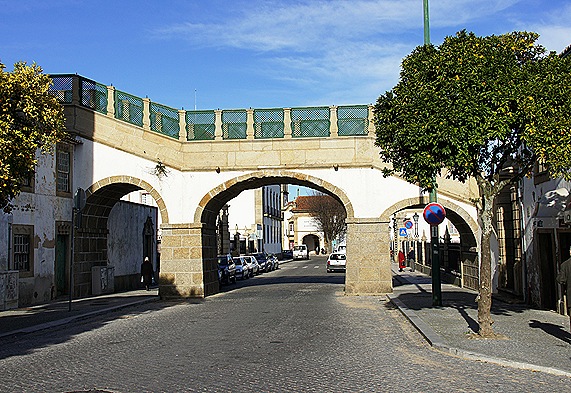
(125, 242)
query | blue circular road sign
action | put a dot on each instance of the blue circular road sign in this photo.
(434, 213)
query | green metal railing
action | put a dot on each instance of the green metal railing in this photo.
(268, 123)
(128, 108)
(200, 125)
(352, 120)
(62, 88)
(310, 122)
(164, 120)
(234, 124)
(93, 95)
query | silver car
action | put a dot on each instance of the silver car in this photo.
(336, 262)
(242, 269)
(252, 264)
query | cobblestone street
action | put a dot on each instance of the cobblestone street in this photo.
(290, 330)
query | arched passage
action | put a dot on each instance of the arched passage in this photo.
(91, 236)
(192, 271)
(467, 228)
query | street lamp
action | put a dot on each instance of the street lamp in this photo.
(415, 218)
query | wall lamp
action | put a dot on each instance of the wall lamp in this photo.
(336, 167)
(217, 169)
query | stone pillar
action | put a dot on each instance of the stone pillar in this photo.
(368, 263)
(146, 113)
(188, 261)
(110, 101)
(182, 131)
(287, 123)
(333, 126)
(249, 123)
(371, 121)
(76, 90)
(218, 125)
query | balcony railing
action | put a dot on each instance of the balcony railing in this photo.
(208, 125)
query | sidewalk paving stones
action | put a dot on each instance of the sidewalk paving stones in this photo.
(34, 318)
(532, 339)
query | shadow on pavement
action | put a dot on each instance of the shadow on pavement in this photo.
(554, 330)
(76, 322)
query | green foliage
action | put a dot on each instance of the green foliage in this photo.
(476, 106)
(30, 120)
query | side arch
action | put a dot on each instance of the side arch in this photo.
(467, 227)
(123, 185)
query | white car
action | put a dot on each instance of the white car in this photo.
(336, 262)
(242, 269)
(300, 252)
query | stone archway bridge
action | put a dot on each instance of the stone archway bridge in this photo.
(194, 162)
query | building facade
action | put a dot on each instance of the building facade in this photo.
(255, 221)
(36, 239)
(300, 227)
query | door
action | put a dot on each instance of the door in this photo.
(61, 265)
(547, 270)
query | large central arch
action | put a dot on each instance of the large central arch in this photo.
(189, 266)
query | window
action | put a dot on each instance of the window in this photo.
(27, 184)
(540, 172)
(63, 164)
(22, 255)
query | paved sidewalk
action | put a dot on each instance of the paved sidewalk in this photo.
(534, 339)
(44, 316)
(34, 318)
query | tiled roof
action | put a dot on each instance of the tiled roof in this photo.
(303, 203)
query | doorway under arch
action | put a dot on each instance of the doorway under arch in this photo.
(92, 236)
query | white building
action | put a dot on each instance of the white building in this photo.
(254, 217)
(36, 239)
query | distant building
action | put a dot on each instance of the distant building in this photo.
(255, 221)
(300, 226)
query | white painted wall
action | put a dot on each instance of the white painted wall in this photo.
(125, 240)
(369, 192)
(241, 212)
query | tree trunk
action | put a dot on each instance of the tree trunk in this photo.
(485, 297)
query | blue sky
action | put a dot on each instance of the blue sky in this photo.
(260, 54)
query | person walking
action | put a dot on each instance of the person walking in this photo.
(147, 273)
(410, 257)
(564, 278)
(402, 259)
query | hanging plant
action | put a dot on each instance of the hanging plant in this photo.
(160, 170)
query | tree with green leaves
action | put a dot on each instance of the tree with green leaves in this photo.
(328, 214)
(30, 120)
(482, 108)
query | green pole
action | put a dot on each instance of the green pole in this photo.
(426, 23)
(436, 286)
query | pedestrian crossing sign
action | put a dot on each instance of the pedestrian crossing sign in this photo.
(403, 232)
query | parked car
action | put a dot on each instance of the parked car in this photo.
(242, 270)
(287, 254)
(275, 261)
(336, 262)
(253, 264)
(226, 269)
(263, 261)
(341, 248)
(300, 252)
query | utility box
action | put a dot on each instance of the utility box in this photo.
(9, 289)
(102, 280)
